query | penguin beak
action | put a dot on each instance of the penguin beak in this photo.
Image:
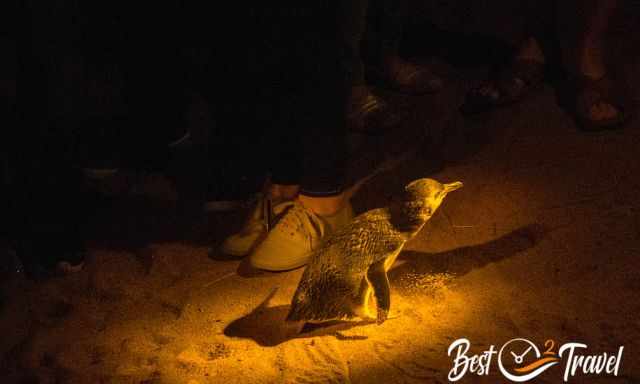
(452, 186)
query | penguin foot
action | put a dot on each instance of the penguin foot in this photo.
(362, 312)
(294, 328)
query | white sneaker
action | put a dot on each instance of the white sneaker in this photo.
(255, 228)
(298, 232)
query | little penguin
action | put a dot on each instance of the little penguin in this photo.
(352, 263)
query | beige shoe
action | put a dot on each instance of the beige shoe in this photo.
(255, 228)
(298, 232)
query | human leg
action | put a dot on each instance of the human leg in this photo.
(47, 196)
(512, 81)
(315, 110)
(590, 93)
(366, 112)
(389, 18)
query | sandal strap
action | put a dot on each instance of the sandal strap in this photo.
(511, 84)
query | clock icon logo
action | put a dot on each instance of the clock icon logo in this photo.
(520, 360)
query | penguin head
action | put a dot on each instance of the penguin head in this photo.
(424, 196)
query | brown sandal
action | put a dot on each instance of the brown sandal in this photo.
(368, 114)
(512, 84)
(409, 78)
(581, 93)
(415, 80)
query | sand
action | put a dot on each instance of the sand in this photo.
(531, 247)
(541, 243)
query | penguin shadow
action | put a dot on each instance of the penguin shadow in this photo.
(267, 326)
(461, 261)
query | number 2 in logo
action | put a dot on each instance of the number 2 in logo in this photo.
(549, 345)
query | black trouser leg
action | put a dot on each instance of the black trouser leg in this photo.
(352, 22)
(47, 198)
(319, 116)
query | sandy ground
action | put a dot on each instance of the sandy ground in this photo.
(541, 243)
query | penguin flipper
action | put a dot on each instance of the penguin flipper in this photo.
(377, 277)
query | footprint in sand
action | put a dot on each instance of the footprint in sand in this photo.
(214, 351)
(413, 364)
(318, 360)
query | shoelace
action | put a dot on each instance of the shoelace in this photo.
(294, 215)
(272, 212)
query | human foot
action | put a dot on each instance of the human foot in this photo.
(408, 77)
(510, 84)
(268, 207)
(299, 231)
(368, 113)
(597, 104)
